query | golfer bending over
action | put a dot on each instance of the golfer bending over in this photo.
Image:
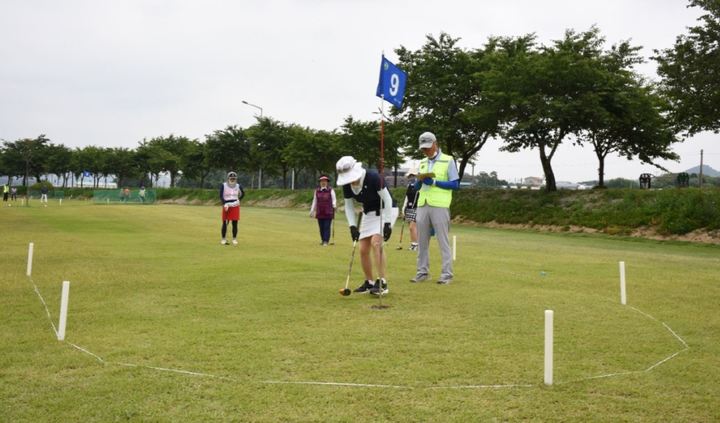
(379, 214)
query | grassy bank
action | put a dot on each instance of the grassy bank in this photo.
(617, 211)
(613, 211)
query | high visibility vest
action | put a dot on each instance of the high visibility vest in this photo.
(430, 194)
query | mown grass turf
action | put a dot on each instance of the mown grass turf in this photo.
(151, 286)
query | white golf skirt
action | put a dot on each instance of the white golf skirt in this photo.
(370, 224)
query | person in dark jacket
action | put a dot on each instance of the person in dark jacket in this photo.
(323, 208)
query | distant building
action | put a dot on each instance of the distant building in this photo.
(534, 181)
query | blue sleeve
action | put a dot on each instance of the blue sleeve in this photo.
(448, 184)
(242, 192)
(222, 197)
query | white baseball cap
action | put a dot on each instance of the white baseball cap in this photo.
(349, 170)
(426, 139)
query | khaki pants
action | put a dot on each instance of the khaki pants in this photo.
(439, 219)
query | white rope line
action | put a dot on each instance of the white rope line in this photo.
(676, 335)
(42, 300)
(165, 369)
(481, 386)
(664, 360)
(354, 385)
(87, 352)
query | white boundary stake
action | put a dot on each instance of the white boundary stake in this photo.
(548, 347)
(454, 247)
(623, 296)
(63, 310)
(61, 201)
(30, 258)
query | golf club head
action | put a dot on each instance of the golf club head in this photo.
(399, 247)
(345, 292)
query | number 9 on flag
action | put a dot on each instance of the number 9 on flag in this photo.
(391, 86)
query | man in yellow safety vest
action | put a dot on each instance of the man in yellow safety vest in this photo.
(437, 179)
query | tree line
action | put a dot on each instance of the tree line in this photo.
(531, 96)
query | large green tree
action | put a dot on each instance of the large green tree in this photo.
(269, 138)
(27, 157)
(690, 72)
(547, 92)
(121, 163)
(229, 149)
(198, 165)
(447, 95)
(360, 139)
(625, 115)
(59, 161)
(171, 153)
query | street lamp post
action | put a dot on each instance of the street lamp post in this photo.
(261, 115)
(255, 106)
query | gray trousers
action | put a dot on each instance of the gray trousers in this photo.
(439, 219)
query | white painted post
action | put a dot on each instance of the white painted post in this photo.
(63, 310)
(548, 347)
(454, 247)
(61, 201)
(623, 296)
(30, 258)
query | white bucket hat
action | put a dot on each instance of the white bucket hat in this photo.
(349, 170)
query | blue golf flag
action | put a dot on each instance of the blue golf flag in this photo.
(391, 86)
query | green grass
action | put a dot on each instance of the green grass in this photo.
(151, 286)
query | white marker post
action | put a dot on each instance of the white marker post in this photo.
(30, 258)
(61, 201)
(548, 347)
(623, 296)
(63, 310)
(454, 247)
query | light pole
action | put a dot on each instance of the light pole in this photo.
(255, 106)
(261, 115)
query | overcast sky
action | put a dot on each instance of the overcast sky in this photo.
(112, 72)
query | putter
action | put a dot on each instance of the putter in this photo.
(402, 229)
(346, 291)
(333, 232)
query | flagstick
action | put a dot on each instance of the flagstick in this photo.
(381, 167)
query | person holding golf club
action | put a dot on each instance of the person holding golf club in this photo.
(437, 179)
(378, 216)
(410, 207)
(323, 208)
(231, 192)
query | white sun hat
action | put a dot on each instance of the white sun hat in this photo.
(349, 170)
(426, 139)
